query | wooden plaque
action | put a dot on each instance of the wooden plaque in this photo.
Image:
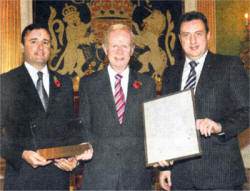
(64, 151)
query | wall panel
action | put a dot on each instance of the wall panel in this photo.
(10, 50)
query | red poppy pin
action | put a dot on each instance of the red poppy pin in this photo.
(56, 81)
(137, 84)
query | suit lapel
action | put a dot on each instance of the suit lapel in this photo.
(29, 89)
(107, 93)
(131, 94)
(206, 73)
(53, 89)
(180, 72)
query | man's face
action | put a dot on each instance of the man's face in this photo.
(119, 49)
(36, 47)
(194, 38)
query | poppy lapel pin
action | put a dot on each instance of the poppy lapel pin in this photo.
(137, 84)
(56, 81)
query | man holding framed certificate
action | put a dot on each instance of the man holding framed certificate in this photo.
(222, 107)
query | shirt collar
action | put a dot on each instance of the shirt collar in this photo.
(201, 60)
(112, 72)
(33, 71)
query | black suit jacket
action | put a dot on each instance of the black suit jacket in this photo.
(119, 156)
(221, 95)
(29, 127)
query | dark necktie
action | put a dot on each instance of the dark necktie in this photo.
(41, 91)
(190, 83)
(119, 98)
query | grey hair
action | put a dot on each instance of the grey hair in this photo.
(118, 26)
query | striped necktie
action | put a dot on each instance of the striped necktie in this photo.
(41, 91)
(119, 98)
(190, 83)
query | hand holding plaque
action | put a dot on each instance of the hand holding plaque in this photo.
(64, 151)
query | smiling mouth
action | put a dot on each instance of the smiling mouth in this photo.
(194, 48)
(39, 54)
(119, 59)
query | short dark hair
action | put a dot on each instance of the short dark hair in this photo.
(193, 15)
(32, 27)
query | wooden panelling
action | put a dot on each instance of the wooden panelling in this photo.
(10, 50)
(208, 9)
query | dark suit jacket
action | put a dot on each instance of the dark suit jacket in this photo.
(29, 127)
(221, 95)
(119, 157)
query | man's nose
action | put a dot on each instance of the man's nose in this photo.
(192, 39)
(119, 50)
(40, 45)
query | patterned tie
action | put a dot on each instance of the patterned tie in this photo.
(41, 91)
(190, 83)
(119, 98)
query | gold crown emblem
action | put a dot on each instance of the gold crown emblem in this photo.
(68, 10)
(110, 9)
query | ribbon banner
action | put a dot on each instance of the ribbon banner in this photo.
(77, 28)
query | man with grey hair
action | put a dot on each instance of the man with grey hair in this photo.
(111, 109)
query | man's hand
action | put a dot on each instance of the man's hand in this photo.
(165, 179)
(66, 164)
(207, 127)
(34, 159)
(70, 163)
(86, 155)
(163, 164)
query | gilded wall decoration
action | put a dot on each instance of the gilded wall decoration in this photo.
(77, 28)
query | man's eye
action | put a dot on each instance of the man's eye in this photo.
(33, 42)
(46, 42)
(185, 34)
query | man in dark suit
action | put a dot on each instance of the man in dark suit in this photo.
(37, 113)
(117, 137)
(222, 107)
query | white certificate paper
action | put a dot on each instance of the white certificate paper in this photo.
(170, 132)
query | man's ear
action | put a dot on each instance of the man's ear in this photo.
(179, 37)
(105, 49)
(22, 47)
(132, 51)
(208, 36)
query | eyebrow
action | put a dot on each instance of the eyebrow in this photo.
(191, 32)
(32, 39)
(37, 38)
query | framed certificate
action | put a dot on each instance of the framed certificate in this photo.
(170, 132)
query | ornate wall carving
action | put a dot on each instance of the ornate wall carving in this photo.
(77, 29)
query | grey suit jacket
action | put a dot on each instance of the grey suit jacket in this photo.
(119, 157)
(29, 127)
(221, 95)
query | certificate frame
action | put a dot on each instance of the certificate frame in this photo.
(169, 127)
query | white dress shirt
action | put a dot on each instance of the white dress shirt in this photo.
(124, 80)
(198, 69)
(33, 74)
